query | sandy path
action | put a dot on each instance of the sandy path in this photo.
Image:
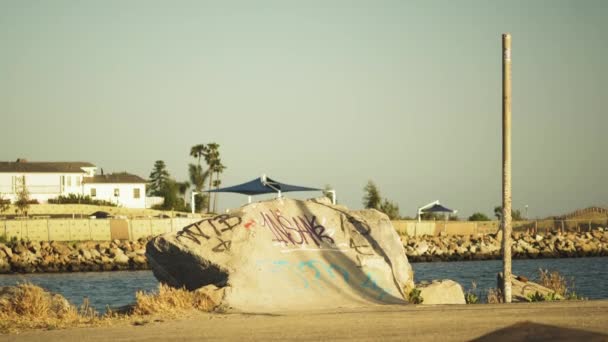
(586, 321)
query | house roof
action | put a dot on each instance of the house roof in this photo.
(121, 177)
(49, 167)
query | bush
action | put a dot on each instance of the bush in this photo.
(479, 217)
(79, 199)
(559, 284)
(414, 296)
(471, 295)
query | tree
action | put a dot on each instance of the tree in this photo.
(170, 191)
(4, 203)
(197, 180)
(158, 178)
(478, 217)
(198, 151)
(372, 198)
(218, 168)
(212, 155)
(23, 197)
(515, 214)
(390, 208)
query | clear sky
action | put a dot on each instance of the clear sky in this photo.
(407, 94)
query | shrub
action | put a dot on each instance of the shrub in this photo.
(536, 297)
(559, 284)
(471, 295)
(79, 199)
(414, 296)
(479, 217)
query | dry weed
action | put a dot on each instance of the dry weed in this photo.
(554, 281)
(27, 306)
(495, 296)
(170, 300)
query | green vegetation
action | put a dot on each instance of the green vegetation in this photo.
(159, 177)
(414, 296)
(198, 176)
(471, 296)
(536, 297)
(373, 200)
(79, 199)
(23, 197)
(4, 204)
(515, 214)
(161, 184)
(478, 217)
(562, 288)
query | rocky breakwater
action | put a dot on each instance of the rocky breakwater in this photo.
(286, 254)
(525, 246)
(35, 257)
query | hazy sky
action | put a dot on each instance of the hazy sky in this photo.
(407, 94)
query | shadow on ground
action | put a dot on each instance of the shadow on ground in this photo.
(529, 331)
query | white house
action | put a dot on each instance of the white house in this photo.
(46, 180)
(124, 189)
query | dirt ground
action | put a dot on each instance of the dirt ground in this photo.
(548, 321)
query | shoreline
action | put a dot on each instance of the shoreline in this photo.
(121, 255)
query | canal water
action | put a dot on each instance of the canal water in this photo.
(116, 289)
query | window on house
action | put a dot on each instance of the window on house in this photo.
(69, 180)
(77, 180)
(116, 192)
(136, 193)
(93, 192)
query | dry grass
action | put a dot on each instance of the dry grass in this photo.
(554, 281)
(169, 300)
(27, 306)
(559, 284)
(495, 296)
(30, 306)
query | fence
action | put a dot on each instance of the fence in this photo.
(89, 229)
(133, 229)
(415, 228)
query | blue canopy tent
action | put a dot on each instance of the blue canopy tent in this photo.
(434, 207)
(265, 185)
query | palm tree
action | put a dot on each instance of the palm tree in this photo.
(197, 174)
(218, 168)
(212, 155)
(198, 151)
(197, 179)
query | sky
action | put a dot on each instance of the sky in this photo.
(404, 93)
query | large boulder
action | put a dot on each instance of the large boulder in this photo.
(523, 290)
(442, 292)
(287, 254)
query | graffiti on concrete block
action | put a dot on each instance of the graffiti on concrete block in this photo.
(297, 230)
(211, 228)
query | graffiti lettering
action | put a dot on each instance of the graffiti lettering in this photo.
(300, 230)
(218, 224)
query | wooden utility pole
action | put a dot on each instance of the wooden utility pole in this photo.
(506, 166)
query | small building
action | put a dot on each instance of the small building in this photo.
(124, 189)
(48, 180)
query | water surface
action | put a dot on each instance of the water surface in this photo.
(115, 289)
